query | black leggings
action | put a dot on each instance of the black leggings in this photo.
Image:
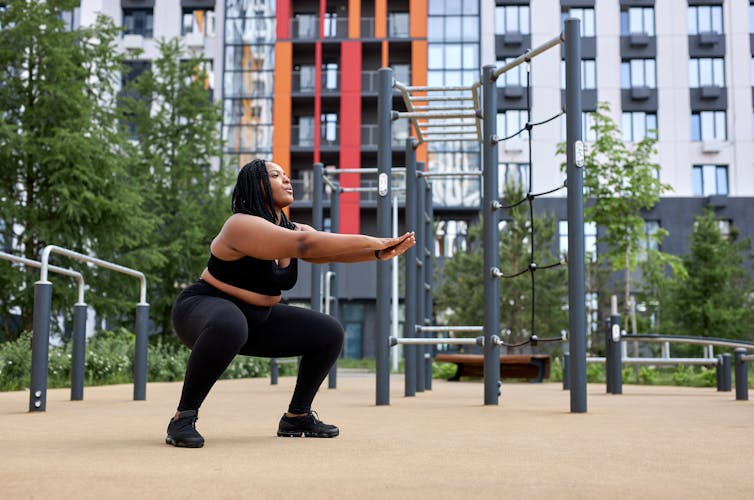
(217, 326)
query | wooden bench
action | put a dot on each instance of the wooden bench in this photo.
(534, 367)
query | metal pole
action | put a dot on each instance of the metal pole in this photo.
(316, 282)
(490, 218)
(332, 379)
(78, 352)
(742, 376)
(40, 345)
(395, 353)
(574, 164)
(614, 362)
(384, 164)
(428, 252)
(726, 382)
(566, 371)
(419, 270)
(274, 371)
(140, 351)
(409, 351)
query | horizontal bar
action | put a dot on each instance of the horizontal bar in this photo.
(422, 341)
(439, 114)
(366, 170)
(367, 189)
(470, 130)
(419, 88)
(454, 173)
(436, 329)
(55, 269)
(528, 55)
(99, 262)
(658, 361)
(284, 360)
(453, 124)
(446, 138)
(441, 108)
(438, 98)
(747, 357)
(686, 339)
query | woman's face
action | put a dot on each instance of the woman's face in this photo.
(282, 190)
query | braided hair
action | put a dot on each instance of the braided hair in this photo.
(252, 194)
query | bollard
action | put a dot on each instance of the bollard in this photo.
(719, 372)
(78, 354)
(140, 352)
(274, 371)
(566, 381)
(40, 346)
(428, 371)
(726, 375)
(742, 376)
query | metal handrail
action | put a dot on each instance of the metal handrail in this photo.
(55, 269)
(528, 55)
(687, 339)
(99, 262)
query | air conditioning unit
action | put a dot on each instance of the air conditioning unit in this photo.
(711, 147)
(133, 42)
(194, 40)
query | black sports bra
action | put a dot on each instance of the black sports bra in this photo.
(256, 275)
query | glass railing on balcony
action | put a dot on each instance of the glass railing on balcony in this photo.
(367, 27)
(302, 189)
(398, 25)
(303, 135)
(370, 79)
(303, 80)
(399, 134)
(305, 26)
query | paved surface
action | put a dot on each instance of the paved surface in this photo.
(650, 442)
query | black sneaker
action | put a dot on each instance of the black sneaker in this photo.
(182, 431)
(306, 426)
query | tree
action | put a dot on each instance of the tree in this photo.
(65, 178)
(461, 290)
(716, 299)
(621, 181)
(177, 127)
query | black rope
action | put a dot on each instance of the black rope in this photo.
(530, 197)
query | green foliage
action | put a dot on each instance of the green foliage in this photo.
(178, 131)
(621, 181)
(109, 360)
(461, 291)
(443, 370)
(715, 300)
(65, 169)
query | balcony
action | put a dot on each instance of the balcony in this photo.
(303, 81)
(302, 136)
(399, 134)
(370, 79)
(306, 27)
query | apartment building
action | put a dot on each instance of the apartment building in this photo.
(297, 79)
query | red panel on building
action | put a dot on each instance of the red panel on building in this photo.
(350, 133)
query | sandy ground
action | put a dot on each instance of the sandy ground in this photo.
(650, 442)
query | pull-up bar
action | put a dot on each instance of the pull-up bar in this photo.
(528, 55)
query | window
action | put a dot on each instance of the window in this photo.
(751, 19)
(638, 73)
(705, 19)
(637, 20)
(512, 121)
(710, 180)
(138, 22)
(651, 227)
(513, 173)
(708, 126)
(515, 76)
(706, 72)
(353, 324)
(306, 26)
(398, 25)
(512, 19)
(588, 74)
(724, 226)
(637, 125)
(590, 239)
(198, 21)
(588, 133)
(586, 16)
(450, 237)
(329, 128)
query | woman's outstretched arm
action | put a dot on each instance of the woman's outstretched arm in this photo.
(405, 242)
